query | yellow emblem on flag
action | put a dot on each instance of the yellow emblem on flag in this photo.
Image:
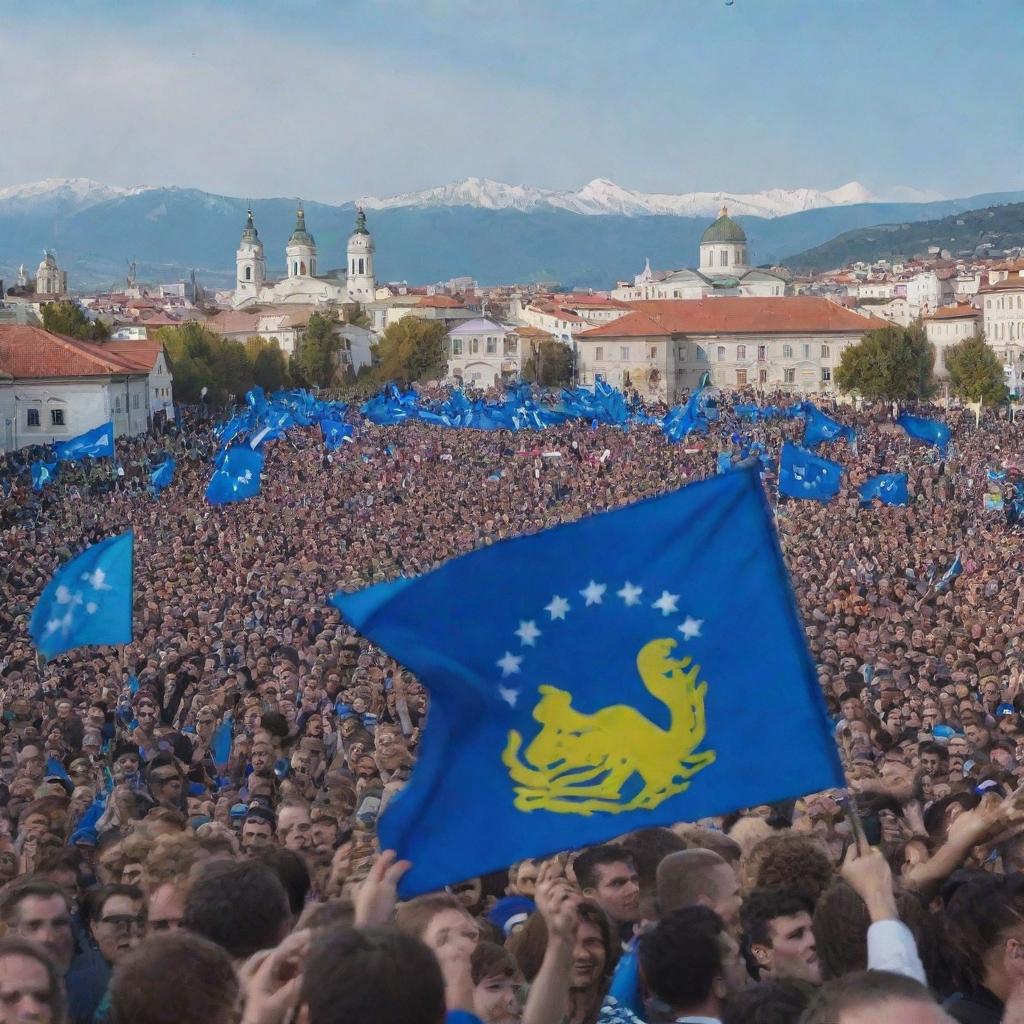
(581, 763)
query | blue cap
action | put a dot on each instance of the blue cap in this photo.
(239, 811)
(1005, 710)
(943, 732)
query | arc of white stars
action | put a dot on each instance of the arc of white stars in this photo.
(666, 604)
(593, 592)
(691, 627)
(558, 608)
(528, 633)
(630, 594)
(509, 663)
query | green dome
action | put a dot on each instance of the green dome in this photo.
(300, 236)
(725, 229)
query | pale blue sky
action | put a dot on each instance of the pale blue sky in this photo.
(331, 100)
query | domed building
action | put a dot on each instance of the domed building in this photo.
(723, 270)
(50, 279)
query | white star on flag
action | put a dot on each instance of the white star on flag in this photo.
(593, 592)
(630, 594)
(528, 633)
(509, 696)
(92, 607)
(65, 596)
(97, 579)
(509, 664)
(666, 603)
(691, 627)
(558, 607)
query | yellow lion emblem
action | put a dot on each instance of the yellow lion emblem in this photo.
(579, 763)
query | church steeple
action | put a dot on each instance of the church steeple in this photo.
(362, 283)
(249, 232)
(300, 253)
(249, 261)
(361, 228)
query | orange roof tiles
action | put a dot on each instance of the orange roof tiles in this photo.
(30, 353)
(140, 354)
(439, 302)
(958, 312)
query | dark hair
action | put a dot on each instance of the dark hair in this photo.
(586, 864)
(350, 975)
(291, 869)
(780, 1001)
(96, 899)
(144, 991)
(647, 848)
(865, 990)
(765, 905)
(931, 747)
(841, 922)
(792, 861)
(491, 960)
(978, 916)
(13, 945)
(682, 955)
(530, 942)
(22, 888)
(240, 905)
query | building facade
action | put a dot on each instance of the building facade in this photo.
(482, 353)
(1003, 319)
(947, 327)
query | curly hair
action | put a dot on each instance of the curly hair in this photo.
(171, 856)
(790, 861)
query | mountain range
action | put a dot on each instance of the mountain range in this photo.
(490, 231)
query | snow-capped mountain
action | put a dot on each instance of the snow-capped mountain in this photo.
(68, 194)
(602, 196)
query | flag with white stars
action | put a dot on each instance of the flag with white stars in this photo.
(802, 474)
(639, 667)
(89, 600)
(93, 444)
(236, 476)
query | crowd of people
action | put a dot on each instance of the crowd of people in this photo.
(151, 877)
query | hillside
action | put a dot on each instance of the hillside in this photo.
(1002, 226)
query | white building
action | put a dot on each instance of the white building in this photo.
(50, 279)
(53, 388)
(482, 353)
(896, 310)
(663, 348)
(927, 293)
(949, 326)
(724, 270)
(1003, 320)
(362, 283)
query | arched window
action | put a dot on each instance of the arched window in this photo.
(362, 265)
(248, 273)
(302, 267)
(295, 269)
(723, 258)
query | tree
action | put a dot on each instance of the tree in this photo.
(269, 368)
(550, 364)
(890, 363)
(356, 315)
(232, 368)
(199, 358)
(68, 319)
(412, 350)
(975, 373)
(315, 359)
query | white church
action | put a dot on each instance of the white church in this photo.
(301, 283)
(724, 270)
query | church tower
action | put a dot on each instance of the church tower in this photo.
(723, 248)
(252, 268)
(300, 253)
(362, 285)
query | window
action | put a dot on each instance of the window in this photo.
(624, 352)
(474, 347)
(492, 346)
(456, 346)
(56, 417)
(741, 378)
(762, 376)
(32, 417)
(302, 267)
(825, 353)
(599, 353)
(135, 401)
(741, 351)
(826, 375)
(723, 258)
(787, 351)
(702, 356)
(654, 352)
(789, 376)
(807, 351)
(721, 353)
(295, 269)
(117, 406)
(362, 265)
(511, 345)
(248, 273)
(762, 353)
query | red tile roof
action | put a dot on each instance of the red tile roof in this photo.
(798, 314)
(959, 312)
(140, 354)
(439, 302)
(1013, 282)
(29, 353)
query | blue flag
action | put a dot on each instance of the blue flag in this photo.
(929, 431)
(724, 463)
(221, 746)
(888, 488)
(951, 573)
(997, 476)
(336, 433)
(611, 690)
(88, 601)
(161, 475)
(236, 477)
(819, 427)
(802, 474)
(94, 444)
(43, 473)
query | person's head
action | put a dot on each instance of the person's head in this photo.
(691, 962)
(523, 878)
(167, 906)
(352, 975)
(31, 985)
(38, 910)
(257, 830)
(240, 905)
(117, 920)
(175, 978)
(294, 826)
(165, 782)
(874, 997)
(779, 935)
(494, 972)
(772, 1002)
(647, 848)
(291, 870)
(606, 875)
(700, 878)
(793, 861)
(440, 920)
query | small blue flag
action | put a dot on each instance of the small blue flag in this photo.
(236, 477)
(802, 474)
(221, 746)
(43, 473)
(336, 434)
(613, 689)
(724, 463)
(888, 488)
(95, 444)
(997, 476)
(819, 427)
(930, 431)
(88, 601)
(161, 475)
(951, 573)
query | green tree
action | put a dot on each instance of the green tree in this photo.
(889, 363)
(67, 319)
(550, 364)
(315, 361)
(975, 373)
(232, 369)
(356, 315)
(200, 358)
(270, 369)
(255, 344)
(412, 350)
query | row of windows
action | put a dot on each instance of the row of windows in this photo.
(788, 376)
(117, 404)
(721, 353)
(1008, 300)
(56, 418)
(510, 347)
(1012, 331)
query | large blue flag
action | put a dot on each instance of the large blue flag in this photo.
(888, 488)
(335, 433)
(236, 476)
(929, 431)
(43, 473)
(802, 474)
(161, 475)
(630, 672)
(88, 601)
(95, 444)
(819, 427)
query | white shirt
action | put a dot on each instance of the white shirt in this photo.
(891, 947)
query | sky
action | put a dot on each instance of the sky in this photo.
(339, 99)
